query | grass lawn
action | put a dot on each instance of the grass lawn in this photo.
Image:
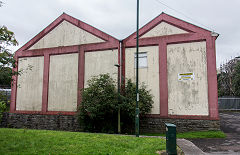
(196, 134)
(26, 141)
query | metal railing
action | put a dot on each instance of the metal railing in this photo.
(5, 95)
(229, 103)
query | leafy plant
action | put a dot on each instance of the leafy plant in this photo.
(228, 78)
(97, 111)
(128, 106)
(7, 61)
(99, 106)
(3, 108)
(236, 79)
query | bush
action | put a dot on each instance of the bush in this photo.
(97, 112)
(3, 108)
(99, 106)
(128, 106)
(236, 79)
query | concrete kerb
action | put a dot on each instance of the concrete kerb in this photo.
(185, 145)
(189, 148)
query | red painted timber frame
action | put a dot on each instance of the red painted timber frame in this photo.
(110, 43)
(194, 34)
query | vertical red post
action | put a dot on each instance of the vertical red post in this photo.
(81, 66)
(212, 78)
(163, 82)
(45, 82)
(14, 88)
(123, 67)
(119, 62)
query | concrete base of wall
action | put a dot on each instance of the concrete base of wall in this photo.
(70, 123)
(47, 122)
(157, 125)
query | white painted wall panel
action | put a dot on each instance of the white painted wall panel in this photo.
(100, 62)
(63, 82)
(66, 34)
(188, 97)
(163, 29)
(30, 83)
(148, 75)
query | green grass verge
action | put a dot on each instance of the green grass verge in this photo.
(196, 134)
(24, 141)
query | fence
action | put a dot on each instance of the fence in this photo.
(229, 103)
(5, 95)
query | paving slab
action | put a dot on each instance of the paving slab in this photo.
(189, 148)
(230, 125)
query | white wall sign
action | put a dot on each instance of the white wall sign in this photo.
(185, 76)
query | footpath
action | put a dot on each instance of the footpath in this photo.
(230, 125)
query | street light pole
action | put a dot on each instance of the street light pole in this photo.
(119, 115)
(137, 93)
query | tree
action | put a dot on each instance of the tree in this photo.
(5, 76)
(229, 79)
(99, 107)
(236, 79)
(7, 38)
(225, 78)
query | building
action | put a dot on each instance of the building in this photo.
(177, 62)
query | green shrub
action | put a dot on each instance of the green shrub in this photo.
(4, 99)
(99, 106)
(128, 106)
(97, 111)
(3, 108)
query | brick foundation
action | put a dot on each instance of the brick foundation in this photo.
(156, 125)
(70, 123)
(33, 121)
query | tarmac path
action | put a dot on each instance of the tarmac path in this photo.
(230, 124)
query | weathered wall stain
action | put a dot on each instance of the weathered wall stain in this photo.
(63, 82)
(163, 29)
(188, 97)
(148, 75)
(66, 34)
(100, 62)
(29, 96)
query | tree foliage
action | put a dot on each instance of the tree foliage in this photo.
(236, 79)
(99, 106)
(7, 38)
(228, 78)
(129, 104)
(99, 103)
(3, 108)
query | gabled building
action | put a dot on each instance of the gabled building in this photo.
(56, 65)
(177, 62)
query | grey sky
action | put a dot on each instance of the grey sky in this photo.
(118, 17)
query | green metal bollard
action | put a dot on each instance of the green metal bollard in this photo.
(171, 145)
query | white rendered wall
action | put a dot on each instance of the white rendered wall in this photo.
(163, 29)
(100, 62)
(30, 83)
(63, 82)
(66, 34)
(188, 97)
(148, 75)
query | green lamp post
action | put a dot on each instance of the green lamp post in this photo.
(137, 93)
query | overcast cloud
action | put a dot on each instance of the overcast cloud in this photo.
(118, 17)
